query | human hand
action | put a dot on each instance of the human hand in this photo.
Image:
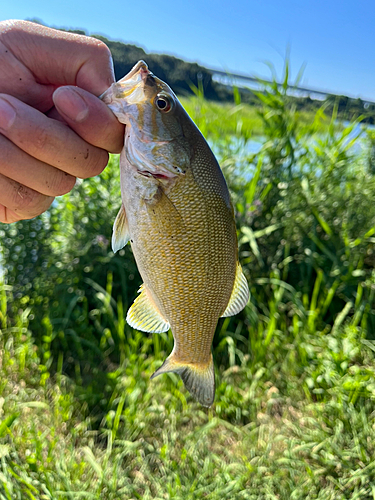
(53, 128)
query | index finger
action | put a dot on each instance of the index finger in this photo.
(59, 58)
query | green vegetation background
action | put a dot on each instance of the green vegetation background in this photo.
(294, 411)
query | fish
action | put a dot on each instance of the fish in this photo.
(177, 214)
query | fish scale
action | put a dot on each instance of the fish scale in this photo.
(185, 295)
(176, 212)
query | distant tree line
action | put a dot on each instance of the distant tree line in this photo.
(182, 76)
(185, 78)
(347, 108)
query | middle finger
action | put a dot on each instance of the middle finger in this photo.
(48, 140)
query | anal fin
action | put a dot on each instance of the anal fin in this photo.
(120, 235)
(144, 315)
(240, 294)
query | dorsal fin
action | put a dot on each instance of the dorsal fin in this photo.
(240, 294)
(144, 315)
(120, 235)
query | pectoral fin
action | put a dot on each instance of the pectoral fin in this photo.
(240, 294)
(144, 315)
(120, 235)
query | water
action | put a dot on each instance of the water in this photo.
(237, 156)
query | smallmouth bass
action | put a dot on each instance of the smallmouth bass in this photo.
(177, 214)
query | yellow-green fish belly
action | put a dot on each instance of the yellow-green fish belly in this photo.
(185, 246)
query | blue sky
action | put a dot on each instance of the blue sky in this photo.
(334, 38)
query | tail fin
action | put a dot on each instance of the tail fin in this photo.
(199, 379)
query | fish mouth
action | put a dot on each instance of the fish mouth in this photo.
(132, 86)
(136, 76)
(141, 68)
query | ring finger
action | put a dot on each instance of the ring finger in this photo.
(32, 173)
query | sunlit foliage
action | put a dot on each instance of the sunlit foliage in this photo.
(293, 415)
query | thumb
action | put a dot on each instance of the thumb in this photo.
(90, 118)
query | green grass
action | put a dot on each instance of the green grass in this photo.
(293, 416)
(217, 120)
(297, 422)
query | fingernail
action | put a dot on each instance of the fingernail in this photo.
(7, 114)
(70, 103)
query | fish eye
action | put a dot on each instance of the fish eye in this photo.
(163, 103)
